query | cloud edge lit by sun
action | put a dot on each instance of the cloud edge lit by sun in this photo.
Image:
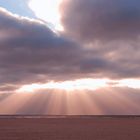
(47, 11)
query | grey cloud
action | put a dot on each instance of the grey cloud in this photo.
(30, 49)
(101, 19)
(110, 29)
(31, 52)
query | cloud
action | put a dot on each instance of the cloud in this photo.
(100, 40)
(30, 49)
(110, 30)
(31, 52)
(101, 19)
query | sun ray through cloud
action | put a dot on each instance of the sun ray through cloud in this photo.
(70, 57)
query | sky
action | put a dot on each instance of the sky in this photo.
(70, 57)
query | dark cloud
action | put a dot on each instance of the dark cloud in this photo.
(30, 49)
(110, 30)
(30, 52)
(101, 19)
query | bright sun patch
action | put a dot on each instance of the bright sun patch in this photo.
(47, 10)
(131, 83)
(80, 84)
(83, 84)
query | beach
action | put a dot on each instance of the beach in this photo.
(69, 128)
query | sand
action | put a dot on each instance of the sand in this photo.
(71, 128)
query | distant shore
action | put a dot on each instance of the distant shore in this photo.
(69, 116)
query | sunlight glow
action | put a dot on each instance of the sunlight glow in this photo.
(83, 84)
(47, 10)
(131, 83)
(80, 84)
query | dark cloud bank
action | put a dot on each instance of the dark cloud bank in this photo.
(105, 36)
(102, 19)
(30, 50)
(111, 29)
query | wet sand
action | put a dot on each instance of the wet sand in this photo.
(69, 128)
